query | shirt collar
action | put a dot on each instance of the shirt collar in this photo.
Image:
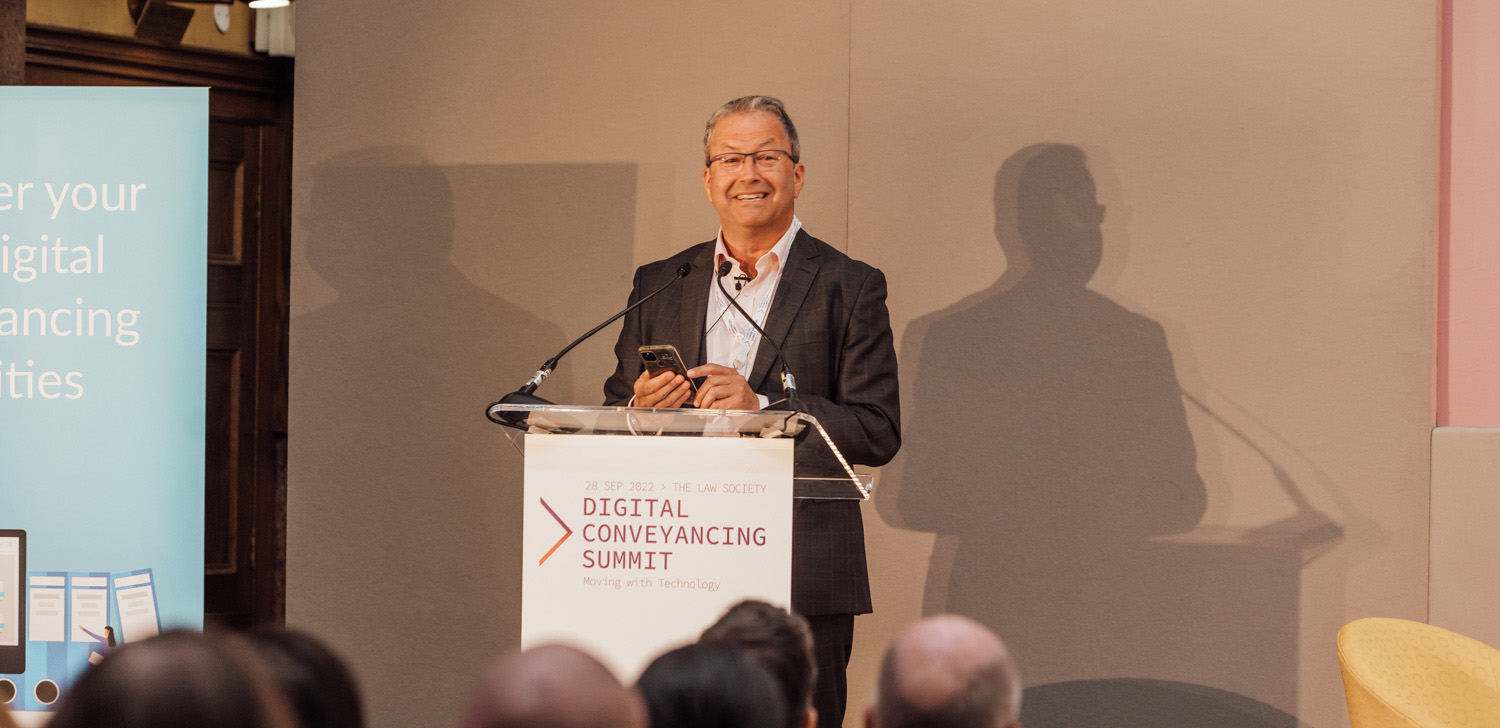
(779, 250)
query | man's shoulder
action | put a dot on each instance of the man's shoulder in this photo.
(833, 259)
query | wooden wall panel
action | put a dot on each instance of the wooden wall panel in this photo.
(12, 42)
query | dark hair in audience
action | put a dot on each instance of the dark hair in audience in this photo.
(780, 641)
(318, 686)
(710, 686)
(179, 679)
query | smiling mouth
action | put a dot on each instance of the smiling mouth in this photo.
(751, 196)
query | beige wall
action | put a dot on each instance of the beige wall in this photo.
(475, 181)
(1465, 502)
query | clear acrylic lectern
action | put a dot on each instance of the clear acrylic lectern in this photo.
(644, 422)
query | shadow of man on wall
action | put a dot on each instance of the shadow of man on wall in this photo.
(1049, 450)
(409, 494)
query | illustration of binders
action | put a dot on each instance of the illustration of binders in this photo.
(47, 597)
(47, 669)
(67, 619)
(69, 613)
(135, 603)
(88, 616)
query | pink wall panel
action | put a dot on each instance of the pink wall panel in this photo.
(1469, 286)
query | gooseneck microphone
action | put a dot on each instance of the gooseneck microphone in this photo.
(524, 394)
(788, 382)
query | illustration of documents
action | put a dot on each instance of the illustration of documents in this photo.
(88, 604)
(47, 596)
(135, 601)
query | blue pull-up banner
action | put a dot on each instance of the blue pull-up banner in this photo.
(103, 272)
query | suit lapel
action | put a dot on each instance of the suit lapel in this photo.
(791, 291)
(694, 309)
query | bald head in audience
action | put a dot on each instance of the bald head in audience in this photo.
(552, 686)
(947, 672)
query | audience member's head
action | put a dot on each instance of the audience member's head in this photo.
(782, 643)
(710, 686)
(947, 672)
(316, 683)
(5, 719)
(177, 679)
(552, 686)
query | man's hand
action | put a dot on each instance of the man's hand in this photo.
(665, 390)
(723, 389)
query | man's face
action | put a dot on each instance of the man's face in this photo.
(752, 198)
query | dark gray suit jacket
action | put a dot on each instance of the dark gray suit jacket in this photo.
(829, 316)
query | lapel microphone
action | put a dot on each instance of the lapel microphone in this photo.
(788, 383)
(720, 317)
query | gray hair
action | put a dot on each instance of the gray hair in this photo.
(744, 104)
(976, 686)
(991, 696)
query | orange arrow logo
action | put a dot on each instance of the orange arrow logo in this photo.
(559, 541)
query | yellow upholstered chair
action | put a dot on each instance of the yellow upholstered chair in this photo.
(1400, 674)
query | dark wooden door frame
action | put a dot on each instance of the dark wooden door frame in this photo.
(245, 581)
(12, 42)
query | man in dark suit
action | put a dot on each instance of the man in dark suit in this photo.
(828, 313)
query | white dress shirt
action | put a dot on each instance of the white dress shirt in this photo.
(731, 341)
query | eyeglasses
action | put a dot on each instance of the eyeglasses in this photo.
(764, 159)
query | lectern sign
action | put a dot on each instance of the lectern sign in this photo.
(633, 545)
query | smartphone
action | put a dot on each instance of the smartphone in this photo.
(664, 357)
(12, 602)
